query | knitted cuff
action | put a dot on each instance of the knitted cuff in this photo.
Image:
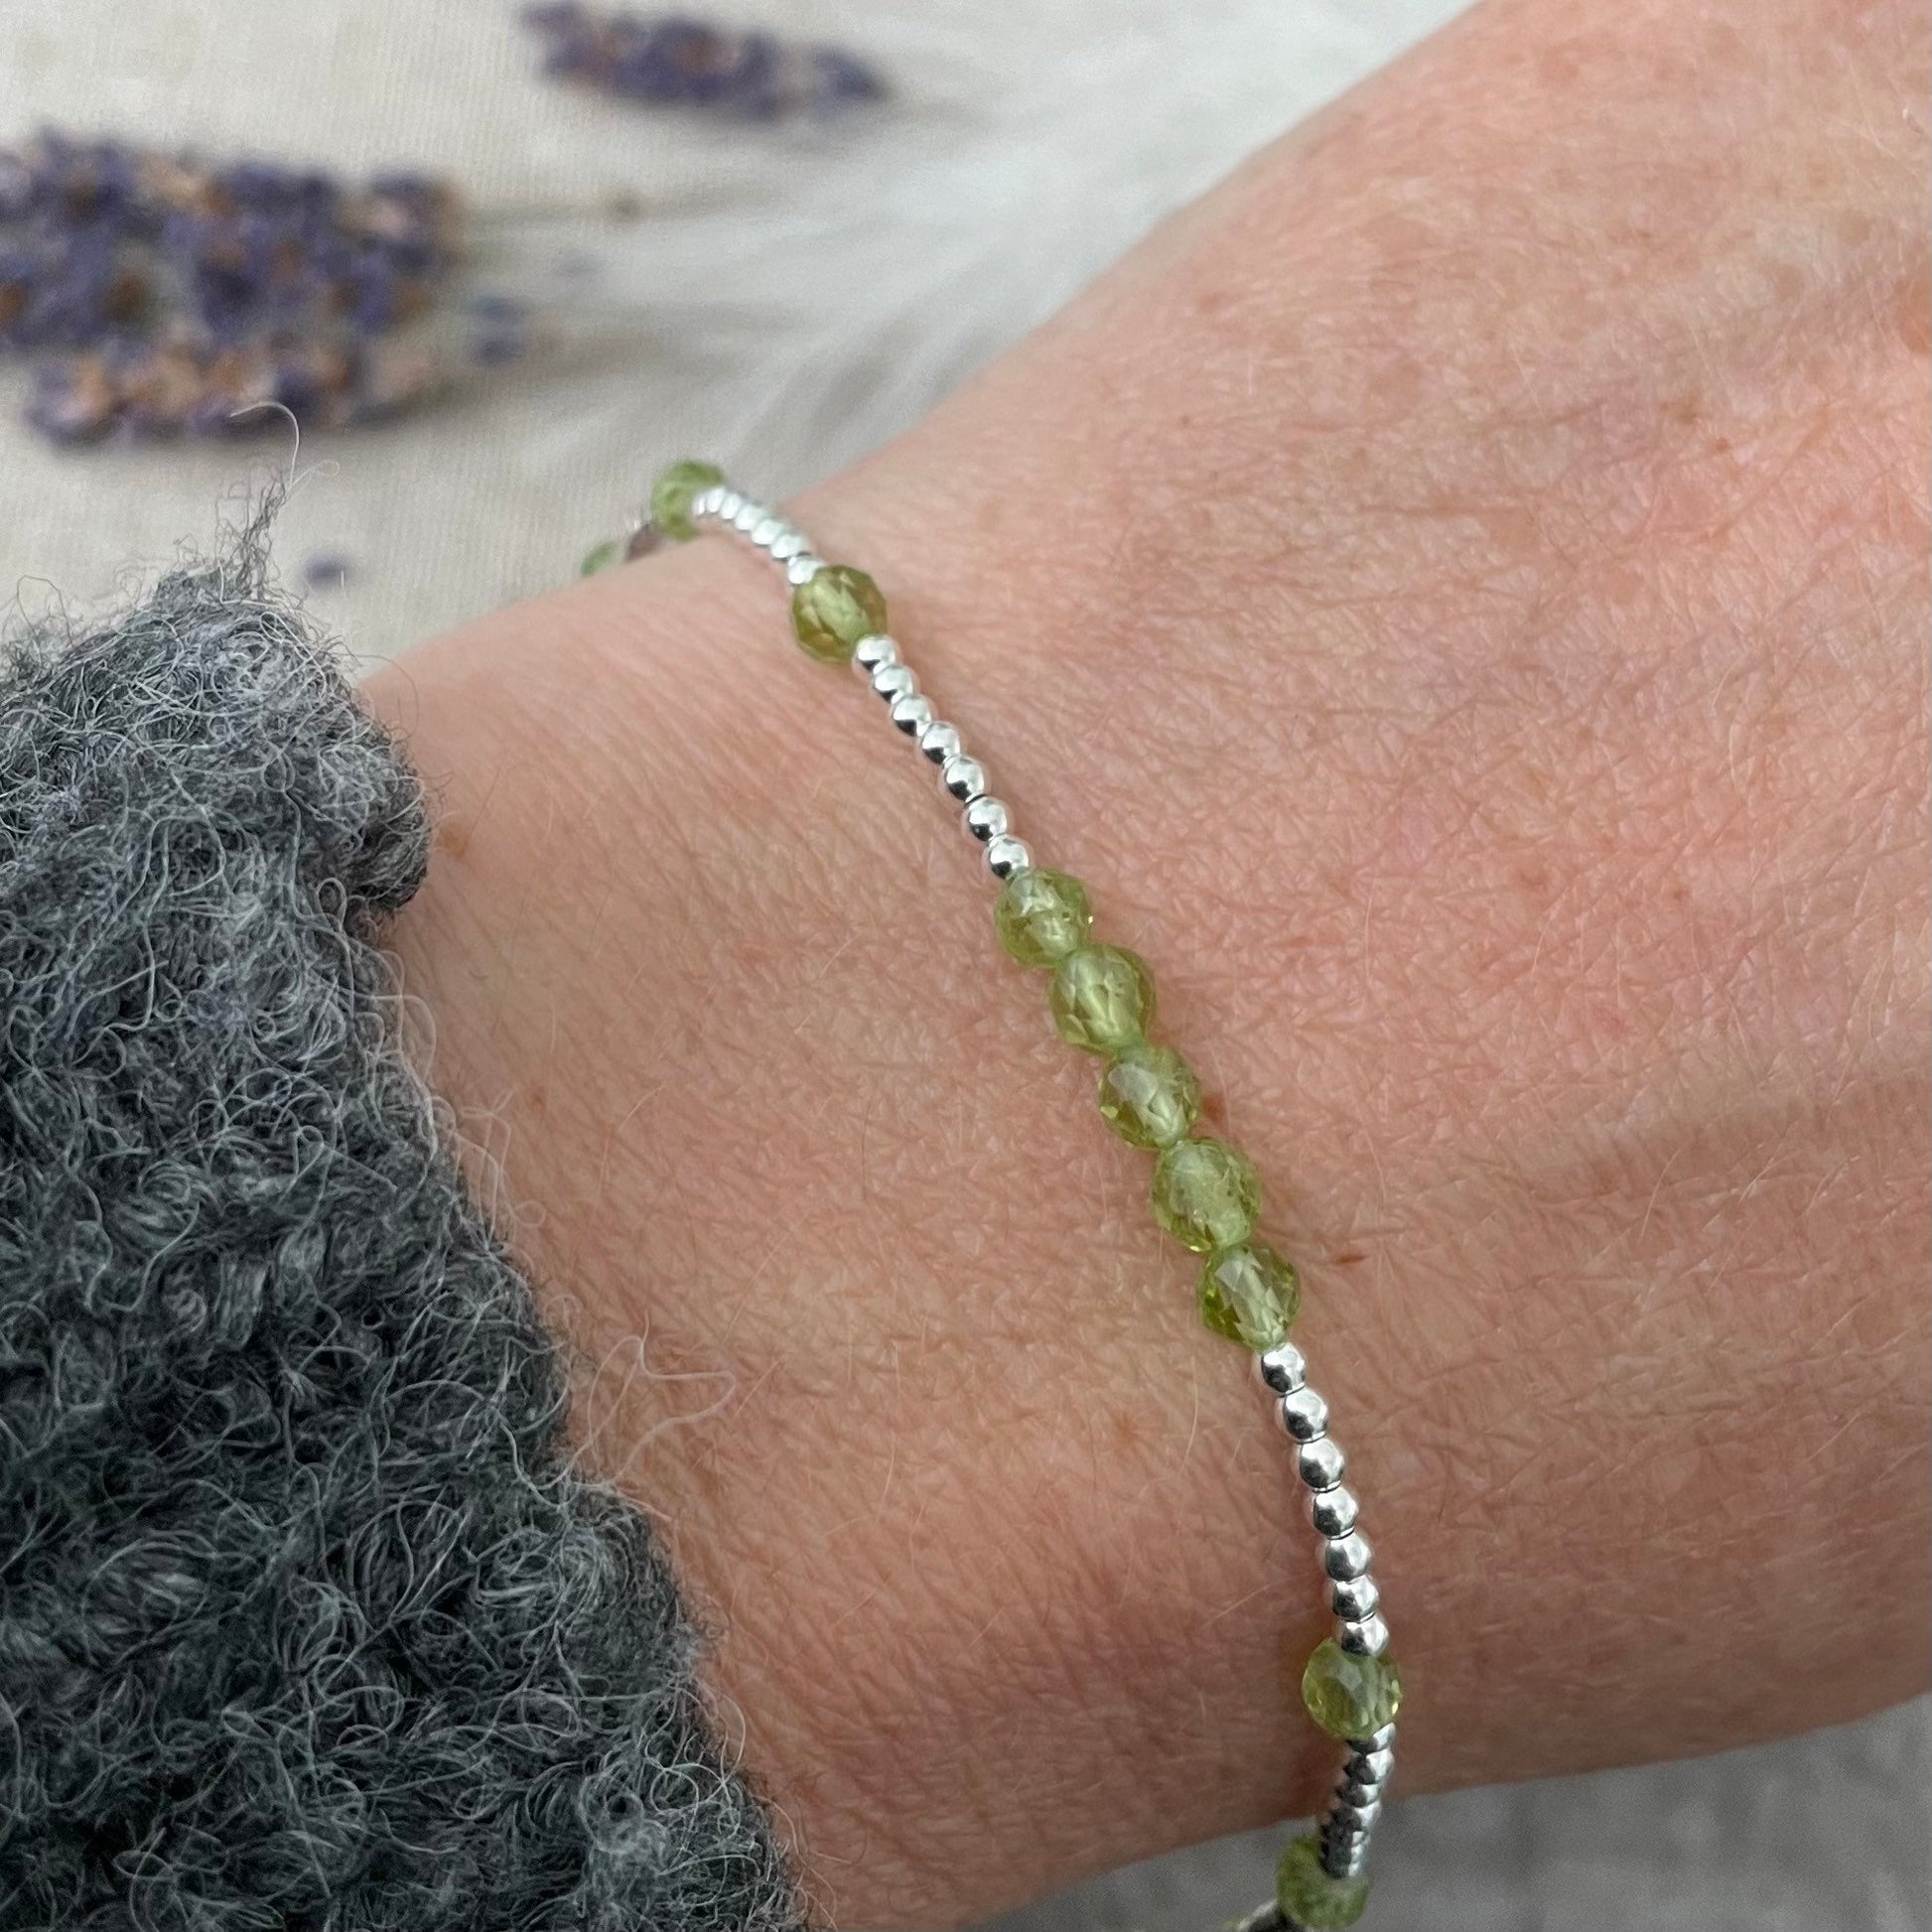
(305, 1619)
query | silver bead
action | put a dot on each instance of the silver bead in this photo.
(1354, 1597)
(729, 503)
(1346, 1556)
(803, 568)
(787, 544)
(1364, 1637)
(1351, 1791)
(1342, 1826)
(1369, 1767)
(1281, 1369)
(986, 818)
(872, 654)
(706, 501)
(1007, 855)
(1305, 1415)
(939, 740)
(1333, 1511)
(750, 516)
(1345, 1858)
(1264, 1918)
(1376, 1740)
(912, 712)
(1359, 1819)
(964, 777)
(766, 531)
(894, 681)
(1320, 1463)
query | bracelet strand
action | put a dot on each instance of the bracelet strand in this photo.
(1204, 1192)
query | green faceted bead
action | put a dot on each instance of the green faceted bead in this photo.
(673, 494)
(1309, 1898)
(1251, 1295)
(1350, 1696)
(1148, 1096)
(601, 558)
(1207, 1194)
(1102, 999)
(1041, 916)
(831, 612)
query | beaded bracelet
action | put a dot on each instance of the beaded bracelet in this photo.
(1206, 1193)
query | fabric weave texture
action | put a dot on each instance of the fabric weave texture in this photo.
(307, 1618)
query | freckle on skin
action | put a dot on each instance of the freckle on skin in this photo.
(1556, 67)
(1913, 312)
(1515, 533)
(1855, 227)
(1621, 586)
(1398, 385)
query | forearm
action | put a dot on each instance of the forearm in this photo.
(1455, 597)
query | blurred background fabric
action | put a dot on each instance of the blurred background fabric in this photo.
(792, 295)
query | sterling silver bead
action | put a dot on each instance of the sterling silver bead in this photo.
(749, 516)
(873, 653)
(964, 777)
(1359, 1819)
(1376, 1740)
(1369, 1767)
(787, 544)
(986, 818)
(1264, 1918)
(1007, 855)
(766, 531)
(1354, 1597)
(803, 568)
(894, 681)
(912, 712)
(1320, 1463)
(729, 503)
(1345, 1858)
(1281, 1369)
(939, 740)
(1346, 1556)
(1305, 1415)
(1364, 1637)
(1333, 1511)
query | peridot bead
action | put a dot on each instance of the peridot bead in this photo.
(1309, 1898)
(600, 558)
(834, 610)
(1350, 1696)
(1207, 1194)
(1148, 1096)
(1041, 916)
(1102, 999)
(1250, 1295)
(673, 494)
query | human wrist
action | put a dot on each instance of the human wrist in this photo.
(1444, 814)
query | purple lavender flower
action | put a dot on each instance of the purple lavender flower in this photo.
(668, 59)
(179, 298)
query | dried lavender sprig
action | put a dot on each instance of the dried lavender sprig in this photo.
(153, 393)
(99, 241)
(671, 59)
(191, 293)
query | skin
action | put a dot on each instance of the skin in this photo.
(1457, 597)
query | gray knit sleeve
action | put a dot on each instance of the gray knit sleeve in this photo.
(306, 1619)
